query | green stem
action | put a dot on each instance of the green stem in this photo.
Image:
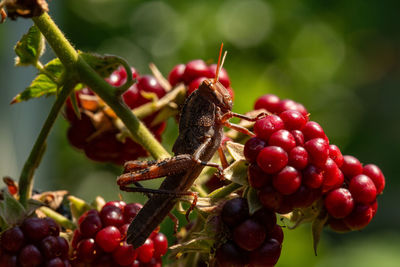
(26, 178)
(60, 219)
(224, 191)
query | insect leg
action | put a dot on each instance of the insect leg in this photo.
(238, 128)
(228, 115)
(156, 169)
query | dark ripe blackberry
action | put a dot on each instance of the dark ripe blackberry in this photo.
(12, 239)
(63, 247)
(49, 247)
(54, 228)
(56, 262)
(249, 235)
(267, 254)
(277, 234)
(8, 260)
(35, 229)
(130, 211)
(257, 177)
(104, 147)
(230, 255)
(235, 211)
(266, 218)
(30, 256)
(79, 131)
(87, 250)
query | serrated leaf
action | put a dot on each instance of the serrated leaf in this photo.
(237, 172)
(11, 210)
(317, 227)
(236, 150)
(103, 65)
(253, 201)
(42, 85)
(29, 48)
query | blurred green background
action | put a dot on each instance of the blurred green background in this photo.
(341, 59)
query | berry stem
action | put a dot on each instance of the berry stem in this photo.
(33, 161)
(60, 220)
(224, 191)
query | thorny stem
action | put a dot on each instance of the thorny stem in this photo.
(33, 161)
(77, 67)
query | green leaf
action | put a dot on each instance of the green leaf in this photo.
(11, 211)
(236, 150)
(43, 85)
(237, 172)
(29, 48)
(253, 201)
(103, 65)
(317, 227)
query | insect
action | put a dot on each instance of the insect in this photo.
(204, 114)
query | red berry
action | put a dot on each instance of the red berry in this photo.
(265, 127)
(148, 83)
(108, 238)
(63, 247)
(56, 262)
(131, 96)
(287, 181)
(130, 211)
(269, 102)
(313, 130)
(272, 159)
(195, 68)
(336, 155)
(257, 177)
(111, 215)
(12, 239)
(146, 251)
(313, 176)
(376, 175)
(298, 157)
(332, 174)
(249, 235)
(351, 166)
(35, 229)
(374, 207)
(302, 198)
(286, 104)
(293, 120)
(54, 228)
(267, 254)
(125, 254)
(160, 245)
(360, 217)
(8, 260)
(298, 136)
(230, 255)
(117, 203)
(87, 250)
(90, 225)
(339, 203)
(338, 225)
(49, 246)
(195, 84)
(80, 131)
(318, 151)
(175, 76)
(363, 189)
(270, 198)
(283, 139)
(235, 211)
(252, 147)
(30, 256)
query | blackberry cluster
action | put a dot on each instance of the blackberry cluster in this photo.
(100, 143)
(253, 240)
(193, 73)
(36, 242)
(100, 239)
(292, 164)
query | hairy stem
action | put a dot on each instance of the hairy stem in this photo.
(224, 191)
(33, 161)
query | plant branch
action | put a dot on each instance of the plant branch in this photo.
(33, 161)
(224, 191)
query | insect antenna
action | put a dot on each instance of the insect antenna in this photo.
(220, 64)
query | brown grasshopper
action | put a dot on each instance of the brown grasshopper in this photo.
(204, 114)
